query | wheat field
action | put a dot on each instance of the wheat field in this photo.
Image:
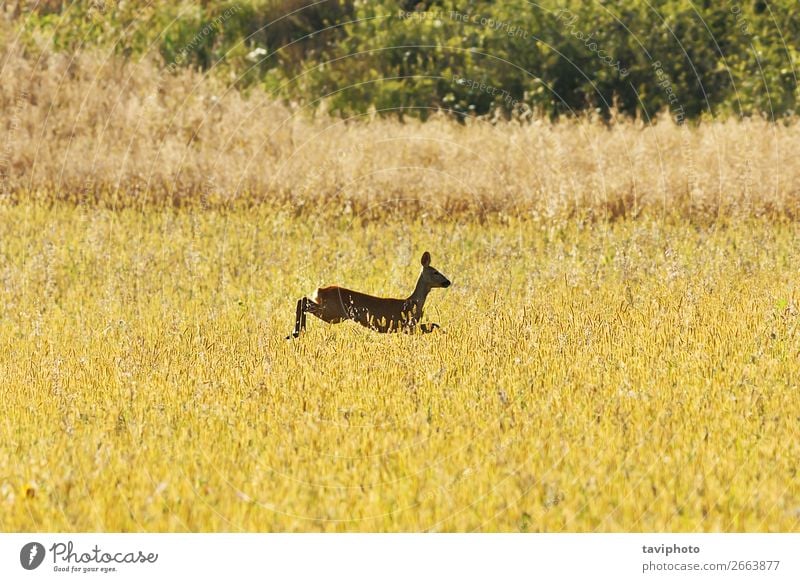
(619, 350)
(640, 375)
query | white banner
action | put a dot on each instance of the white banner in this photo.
(400, 557)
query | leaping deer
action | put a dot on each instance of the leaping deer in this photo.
(336, 304)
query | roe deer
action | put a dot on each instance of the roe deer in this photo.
(337, 304)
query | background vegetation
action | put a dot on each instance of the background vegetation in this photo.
(411, 58)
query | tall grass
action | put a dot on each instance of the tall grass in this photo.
(93, 128)
(636, 376)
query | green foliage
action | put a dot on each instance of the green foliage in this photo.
(468, 58)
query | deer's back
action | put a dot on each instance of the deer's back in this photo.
(380, 313)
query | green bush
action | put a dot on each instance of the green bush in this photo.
(467, 58)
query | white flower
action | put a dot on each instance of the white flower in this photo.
(254, 55)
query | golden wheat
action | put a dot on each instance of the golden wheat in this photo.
(636, 376)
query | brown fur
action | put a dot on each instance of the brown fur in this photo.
(335, 304)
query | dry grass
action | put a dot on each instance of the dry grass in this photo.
(129, 134)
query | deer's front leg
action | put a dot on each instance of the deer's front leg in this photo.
(428, 327)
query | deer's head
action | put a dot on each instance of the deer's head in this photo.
(430, 276)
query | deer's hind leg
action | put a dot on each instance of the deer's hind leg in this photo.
(304, 305)
(298, 320)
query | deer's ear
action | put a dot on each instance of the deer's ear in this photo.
(426, 259)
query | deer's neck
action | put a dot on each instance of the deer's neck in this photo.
(420, 294)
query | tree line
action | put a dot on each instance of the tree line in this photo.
(512, 58)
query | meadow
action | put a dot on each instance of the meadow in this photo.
(637, 375)
(619, 350)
